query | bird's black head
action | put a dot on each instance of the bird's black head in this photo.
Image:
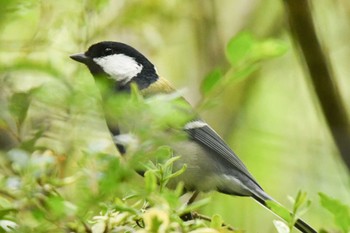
(120, 62)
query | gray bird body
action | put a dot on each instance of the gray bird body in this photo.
(207, 169)
(204, 172)
(211, 164)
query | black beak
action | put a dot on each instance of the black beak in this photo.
(80, 57)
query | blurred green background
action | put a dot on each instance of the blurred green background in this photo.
(269, 117)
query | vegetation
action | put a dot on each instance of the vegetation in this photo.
(59, 170)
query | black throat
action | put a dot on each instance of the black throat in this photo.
(143, 80)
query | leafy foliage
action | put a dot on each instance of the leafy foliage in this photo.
(339, 210)
(300, 205)
(244, 48)
(244, 53)
(56, 186)
(59, 170)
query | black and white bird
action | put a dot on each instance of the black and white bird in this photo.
(211, 164)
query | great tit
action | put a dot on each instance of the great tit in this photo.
(211, 164)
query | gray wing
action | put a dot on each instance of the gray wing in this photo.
(202, 133)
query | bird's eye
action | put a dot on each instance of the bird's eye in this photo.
(108, 51)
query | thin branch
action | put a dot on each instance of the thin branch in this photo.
(207, 218)
(321, 75)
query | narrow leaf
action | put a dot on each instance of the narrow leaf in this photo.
(216, 221)
(150, 181)
(280, 211)
(211, 80)
(239, 48)
(340, 211)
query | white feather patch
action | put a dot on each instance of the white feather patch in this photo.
(120, 67)
(195, 124)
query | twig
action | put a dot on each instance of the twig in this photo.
(207, 218)
(193, 197)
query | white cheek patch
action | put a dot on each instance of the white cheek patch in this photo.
(120, 67)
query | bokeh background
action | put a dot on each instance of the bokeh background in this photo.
(270, 117)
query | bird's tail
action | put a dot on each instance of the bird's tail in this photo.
(302, 226)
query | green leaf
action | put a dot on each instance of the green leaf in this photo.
(162, 153)
(56, 205)
(150, 181)
(280, 210)
(216, 221)
(179, 189)
(340, 211)
(171, 160)
(270, 48)
(177, 173)
(244, 49)
(135, 94)
(19, 105)
(6, 211)
(239, 48)
(120, 205)
(299, 201)
(211, 80)
(29, 143)
(195, 205)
